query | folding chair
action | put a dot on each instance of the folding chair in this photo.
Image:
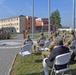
(61, 60)
(26, 49)
(73, 45)
(41, 44)
(46, 46)
(29, 42)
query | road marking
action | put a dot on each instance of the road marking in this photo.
(10, 47)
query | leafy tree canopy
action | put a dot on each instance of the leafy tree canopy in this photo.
(55, 18)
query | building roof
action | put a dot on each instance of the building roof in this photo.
(14, 17)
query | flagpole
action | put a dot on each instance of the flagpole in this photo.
(32, 18)
(73, 19)
(48, 18)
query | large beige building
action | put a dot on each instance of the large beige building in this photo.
(20, 23)
(13, 24)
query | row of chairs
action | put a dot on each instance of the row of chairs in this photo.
(59, 60)
(28, 47)
(46, 45)
(43, 45)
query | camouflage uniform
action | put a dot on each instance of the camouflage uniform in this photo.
(41, 37)
(72, 38)
(51, 36)
(51, 46)
(62, 34)
(8, 35)
(1, 35)
(28, 39)
(64, 39)
(36, 46)
(5, 35)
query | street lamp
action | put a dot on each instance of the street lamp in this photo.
(73, 19)
(48, 18)
(32, 18)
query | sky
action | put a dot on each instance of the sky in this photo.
(12, 8)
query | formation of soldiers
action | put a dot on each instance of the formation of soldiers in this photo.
(4, 35)
(54, 36)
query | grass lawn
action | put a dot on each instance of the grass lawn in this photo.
(13, 35)
(37, 35)
(32, 65)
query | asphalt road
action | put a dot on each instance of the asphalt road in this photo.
(8, 51)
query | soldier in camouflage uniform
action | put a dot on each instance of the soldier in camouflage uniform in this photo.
(36, 46)
(62, 34)
(2, 34)
(28, 39)
(40, 38)
(8, 35)
(72, 38)
(51, 46)
(51, 36)
(5, 35)
(64, 38)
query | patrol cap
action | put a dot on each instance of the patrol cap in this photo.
(41, 33)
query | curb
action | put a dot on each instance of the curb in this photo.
(12, 64)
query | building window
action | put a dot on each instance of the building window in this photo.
(17, 28)
(28, 18)
(29, 23)
(17, 23)
(17, 18)
(12, 30)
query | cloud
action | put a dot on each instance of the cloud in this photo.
(6, 7)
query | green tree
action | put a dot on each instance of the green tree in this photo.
(55, 18)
